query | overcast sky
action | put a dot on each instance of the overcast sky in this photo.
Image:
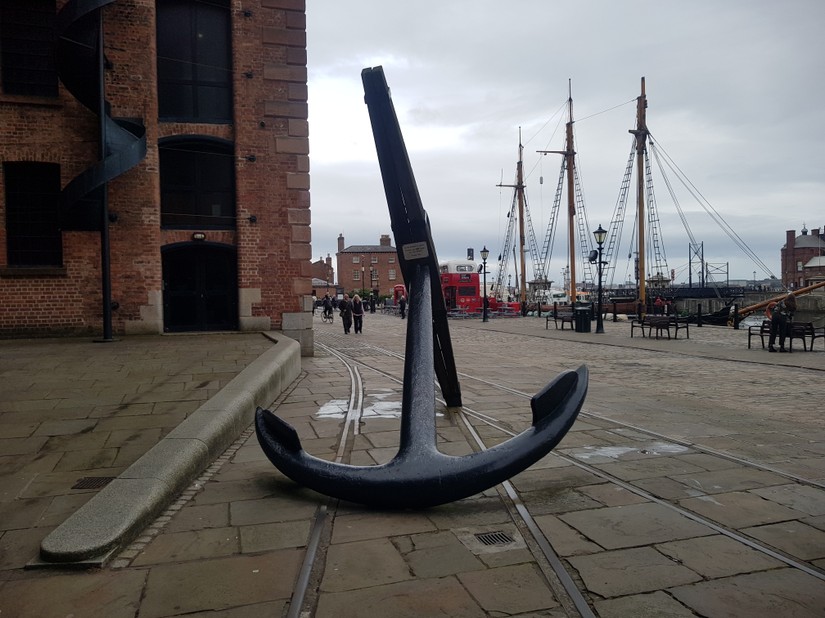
(735, 95)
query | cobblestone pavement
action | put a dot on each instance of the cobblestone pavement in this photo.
(234, 543)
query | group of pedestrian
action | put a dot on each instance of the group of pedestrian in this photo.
(781, 316)
(352, 313)
(352, 310)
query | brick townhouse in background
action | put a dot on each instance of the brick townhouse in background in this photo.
(371, 267)
(803, 258)
(204, 183)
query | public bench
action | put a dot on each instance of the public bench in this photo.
(818, 332)
(759, 330)
(803, 330)
(661, 324)
(640, 324)
(797, 330)
(560, 316)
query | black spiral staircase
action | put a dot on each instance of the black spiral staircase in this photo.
(80, 65)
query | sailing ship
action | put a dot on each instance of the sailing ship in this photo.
(653, 277)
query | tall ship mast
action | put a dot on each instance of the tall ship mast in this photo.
(521, 208)
(576, 215)
(519, 203)
(641, 133)
(570, 163)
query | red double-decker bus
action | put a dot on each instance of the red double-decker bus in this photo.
(460, 282)
(461, 286)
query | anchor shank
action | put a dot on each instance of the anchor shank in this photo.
(410, 224)
(418, 400)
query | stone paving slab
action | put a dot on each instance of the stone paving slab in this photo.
(630, 571)
(780, 592)
(103, 593)
(407, 599)
(717, 556)
(739, 509)
(792, 537)
(634, 525)
(219, 584)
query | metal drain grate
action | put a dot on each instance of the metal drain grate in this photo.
(495, 538)
(92, 482)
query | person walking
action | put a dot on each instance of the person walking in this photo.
(358, 314)
(345, 310)
(402, 306)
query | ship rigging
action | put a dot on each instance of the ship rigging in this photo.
(650, 265)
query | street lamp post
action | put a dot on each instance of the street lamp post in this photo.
(484, 255)
(600, 235)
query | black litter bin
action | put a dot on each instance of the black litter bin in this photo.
(581, 319)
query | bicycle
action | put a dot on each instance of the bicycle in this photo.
(327, 317)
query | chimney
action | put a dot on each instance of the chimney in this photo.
(384, 241)
(790, 238)
(340, 243)
(815, 232)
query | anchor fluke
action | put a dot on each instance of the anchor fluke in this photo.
(281, 431)
(549, 400)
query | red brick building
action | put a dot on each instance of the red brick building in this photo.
(181, 176)
(802, 259)
(371, 267)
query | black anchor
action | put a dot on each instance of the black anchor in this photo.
(420, 475)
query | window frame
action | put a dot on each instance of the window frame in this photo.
(198, 56)
(198, 186)
(23, 220)
(28, 48)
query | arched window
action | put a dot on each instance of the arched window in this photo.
(197, 183)
(194, 61)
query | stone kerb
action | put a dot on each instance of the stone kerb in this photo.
(117, 514)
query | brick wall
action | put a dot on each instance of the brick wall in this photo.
(270, 107)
